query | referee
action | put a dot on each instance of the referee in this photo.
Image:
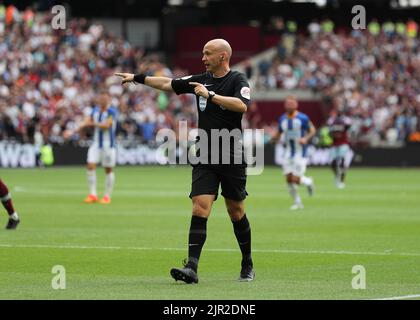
(222, 97)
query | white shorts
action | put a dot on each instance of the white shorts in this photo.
(340, 151)
(295, 166)
(107, 156)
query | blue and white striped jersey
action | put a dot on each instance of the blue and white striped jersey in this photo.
(294, 128)
(104, 138)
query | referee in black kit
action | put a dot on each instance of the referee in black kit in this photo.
(222, 97)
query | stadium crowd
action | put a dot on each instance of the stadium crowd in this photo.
(373, 75)
(49, 79)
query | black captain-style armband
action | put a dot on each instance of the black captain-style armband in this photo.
(139, 78)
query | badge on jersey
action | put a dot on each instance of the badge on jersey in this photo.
(246, 93)
(202, 103)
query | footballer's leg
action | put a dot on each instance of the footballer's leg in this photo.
(109, 186)
(91, 177)
(334, 168)
(340, 166)
(7, 202)
(108, 162)
(345, 149)
(301, 179)
(341, 174)
(197, 237)
(292, 183)
(92, 160)
(337, 166)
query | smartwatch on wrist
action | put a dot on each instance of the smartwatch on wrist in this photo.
(211, 95)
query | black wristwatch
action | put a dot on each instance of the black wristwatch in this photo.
(211, 95)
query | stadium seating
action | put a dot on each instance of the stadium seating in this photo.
(49, 78)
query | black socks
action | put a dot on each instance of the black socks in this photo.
(197, 237)
(198, 234)
(242, 231)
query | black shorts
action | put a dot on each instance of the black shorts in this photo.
(206, 180)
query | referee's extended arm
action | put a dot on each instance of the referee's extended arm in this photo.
(160, 83)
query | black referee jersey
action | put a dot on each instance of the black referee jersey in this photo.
(212, 116)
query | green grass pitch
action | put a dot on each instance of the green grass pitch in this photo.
(125, 250)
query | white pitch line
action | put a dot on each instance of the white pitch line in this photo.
(412, 296)
(331, 252)
(162, 193)
(72, 193)
(42, 246)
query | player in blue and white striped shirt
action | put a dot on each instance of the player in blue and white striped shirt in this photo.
(296, 131)
(103, 149)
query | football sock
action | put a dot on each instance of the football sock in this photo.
(197, 237)
(305, 181)
(334, 166)
(14, 216)
(294, 193)
(242, 231)
(91, 177)
(6, 199)
(109, 184)
(342, 170)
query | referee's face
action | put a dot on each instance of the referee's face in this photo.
(212, 58)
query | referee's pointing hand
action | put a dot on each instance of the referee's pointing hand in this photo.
(126, 77)
(199, 89)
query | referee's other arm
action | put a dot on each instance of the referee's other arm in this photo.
(229, 103)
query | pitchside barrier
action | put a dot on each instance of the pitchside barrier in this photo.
(15, 155)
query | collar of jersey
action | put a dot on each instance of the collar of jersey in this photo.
(294, 115)
(107, 108)
(218, 78)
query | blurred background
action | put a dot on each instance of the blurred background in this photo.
(49, 78)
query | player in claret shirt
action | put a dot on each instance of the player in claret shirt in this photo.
(339, 125)
(6, 200)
